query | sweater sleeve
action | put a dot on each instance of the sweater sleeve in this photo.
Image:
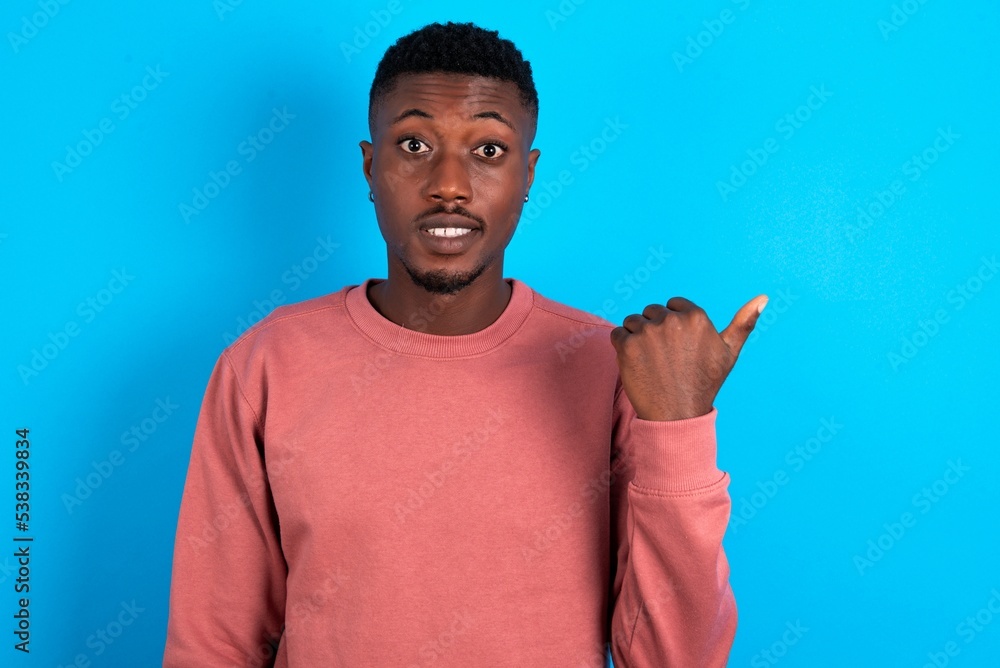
(672, 604)
(227, 589)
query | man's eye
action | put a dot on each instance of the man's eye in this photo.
(490, 150)
(413, 145)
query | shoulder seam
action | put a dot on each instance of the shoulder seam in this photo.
(260, 327)
(542, 307)
(239, 386)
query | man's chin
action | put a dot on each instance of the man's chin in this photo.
(444, 282)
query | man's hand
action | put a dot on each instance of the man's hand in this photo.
(673, 362)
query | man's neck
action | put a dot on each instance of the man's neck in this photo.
(469, 310)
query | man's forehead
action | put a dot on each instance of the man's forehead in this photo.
(462, 94)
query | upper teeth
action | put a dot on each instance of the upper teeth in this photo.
(448, 231)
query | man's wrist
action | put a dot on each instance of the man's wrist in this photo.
(674, 413)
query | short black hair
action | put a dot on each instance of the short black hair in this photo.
(461, 48)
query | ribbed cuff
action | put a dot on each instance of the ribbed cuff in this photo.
(675, 455)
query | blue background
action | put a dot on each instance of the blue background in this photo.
(883, 327)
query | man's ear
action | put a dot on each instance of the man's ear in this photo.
(532, 159)
(367, 153)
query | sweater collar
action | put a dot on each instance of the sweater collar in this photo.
(397, 338)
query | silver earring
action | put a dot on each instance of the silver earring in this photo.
(371, 198)
(525, 197)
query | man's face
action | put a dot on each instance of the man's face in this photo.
(451, 153)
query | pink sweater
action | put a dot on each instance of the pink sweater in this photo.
(363, 494)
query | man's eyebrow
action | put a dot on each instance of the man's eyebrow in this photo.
(496, 116)
(413, 111)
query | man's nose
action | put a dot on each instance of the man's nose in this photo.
(449, 178)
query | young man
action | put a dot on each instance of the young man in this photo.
(444, 466)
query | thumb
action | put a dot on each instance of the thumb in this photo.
(735, 335)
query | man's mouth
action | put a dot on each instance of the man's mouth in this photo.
(449, 239)
(451, 223)
(448, 231)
